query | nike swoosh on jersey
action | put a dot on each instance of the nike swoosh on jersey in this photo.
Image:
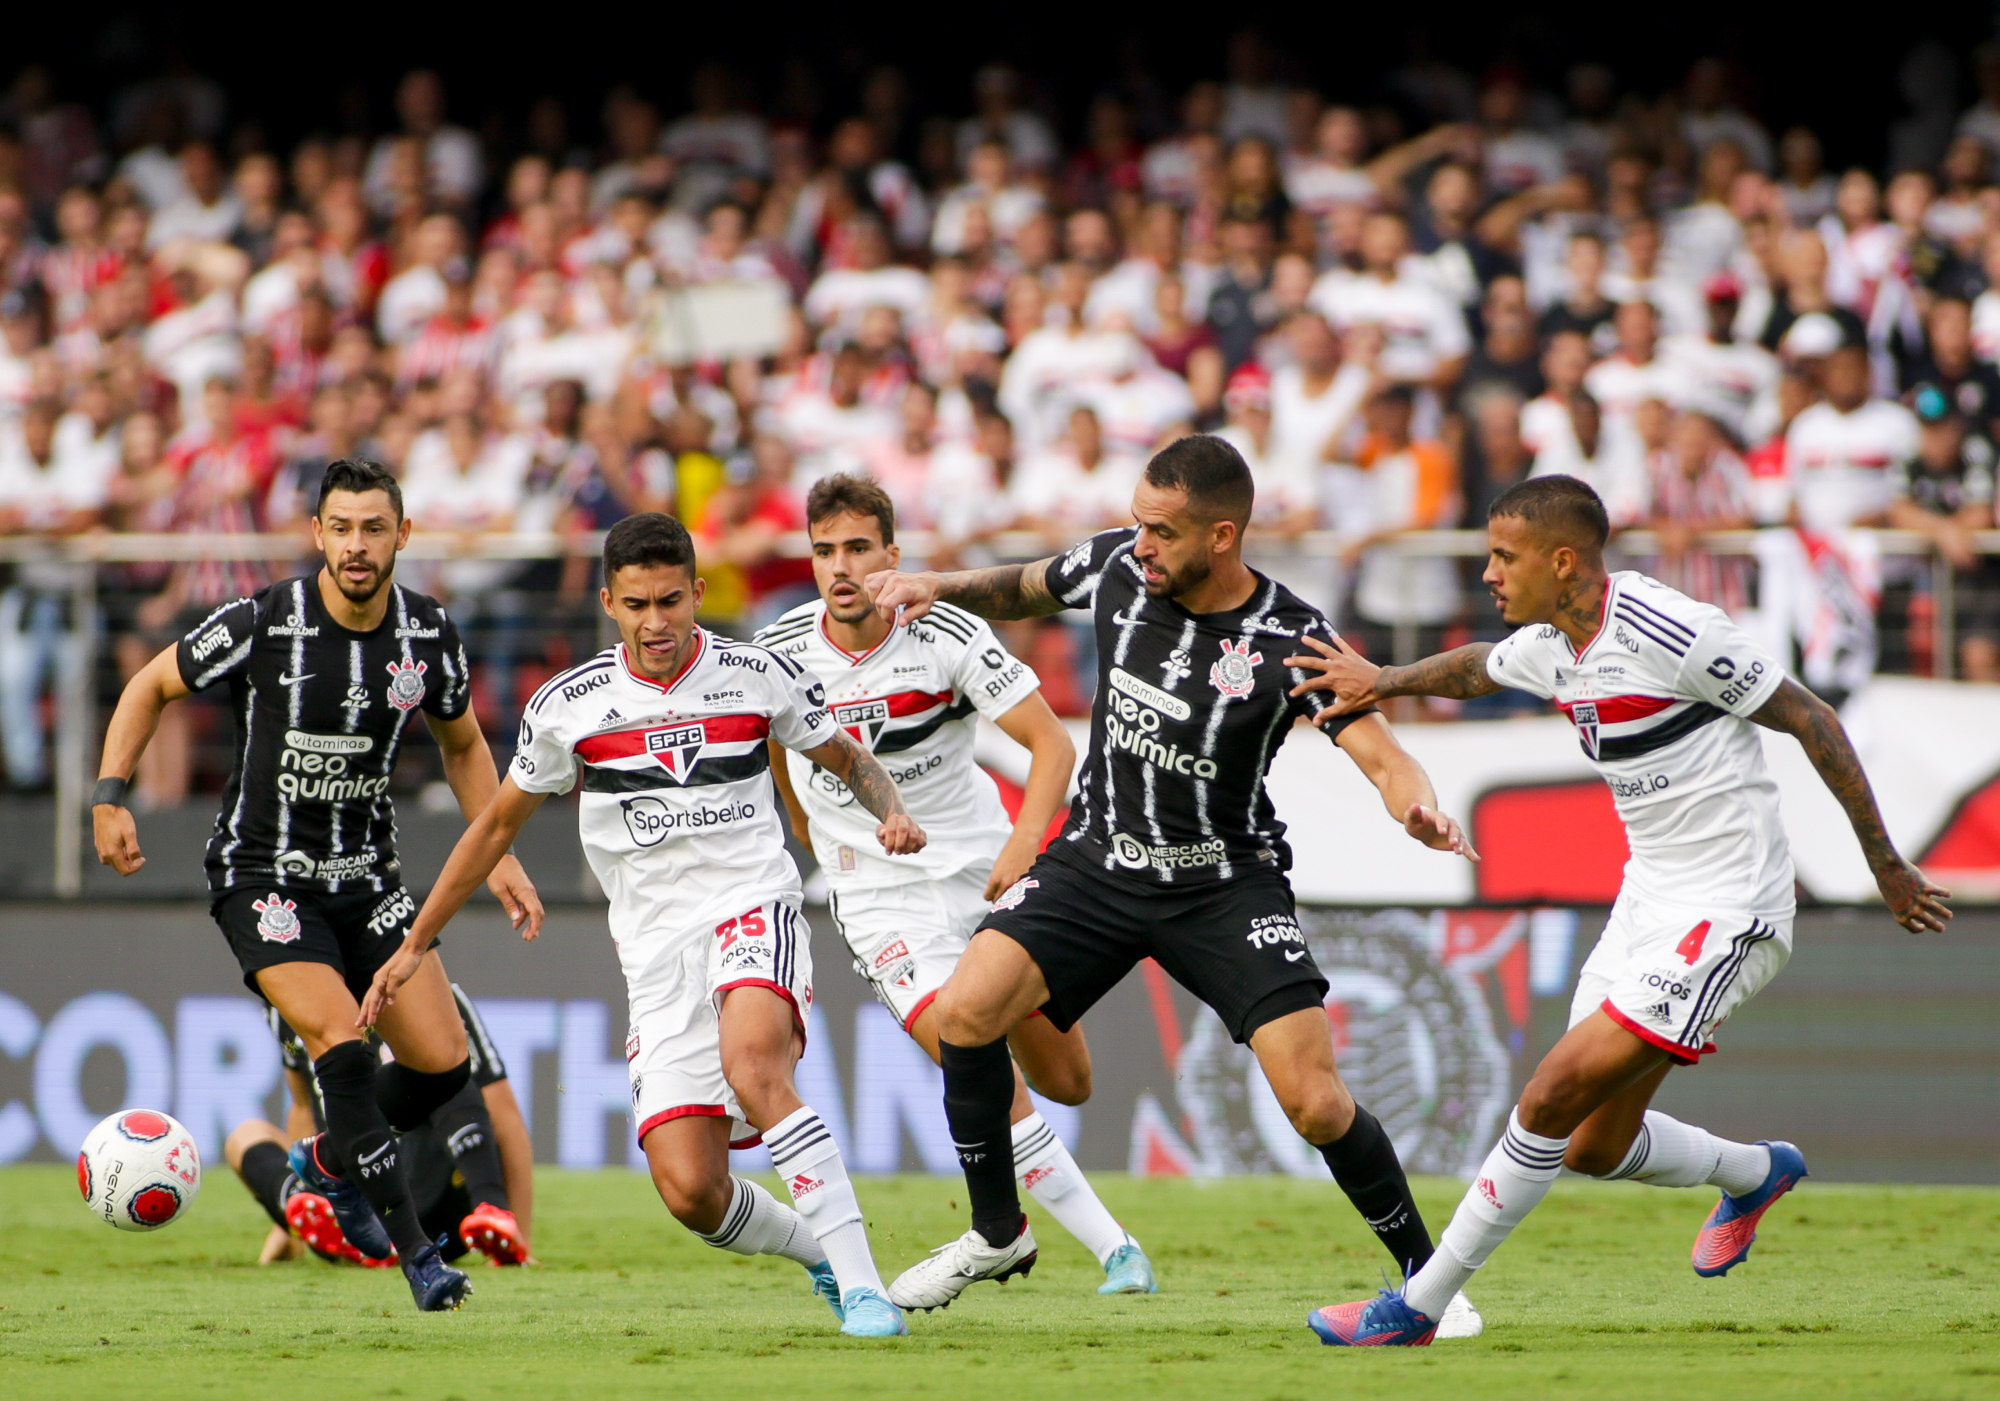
(294, 680)
(371, 1157)
(1294, 955)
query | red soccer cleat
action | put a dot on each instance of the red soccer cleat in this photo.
(493, 1231)
(312, 1220)
(1725, 1238)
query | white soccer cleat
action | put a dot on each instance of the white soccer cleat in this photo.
(932, 1283)
(1461, 1319)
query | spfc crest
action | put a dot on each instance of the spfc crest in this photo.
(862, 719)
(1584, 715)
(679, 748)
(277, 919)
(406, 684)
(1234, 674)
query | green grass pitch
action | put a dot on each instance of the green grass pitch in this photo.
(1853, 1291)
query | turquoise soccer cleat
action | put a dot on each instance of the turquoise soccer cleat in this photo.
(1724, 1240)
(866, 1314)
(1128, 1271)
(827, 1287)
(1383, 1321)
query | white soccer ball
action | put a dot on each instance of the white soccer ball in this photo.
(139, 1170)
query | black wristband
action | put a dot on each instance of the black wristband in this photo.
(109, 792)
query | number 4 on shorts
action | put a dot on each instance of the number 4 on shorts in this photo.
(1689, 947)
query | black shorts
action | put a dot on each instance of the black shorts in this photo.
(354, 934)
(1235, 944)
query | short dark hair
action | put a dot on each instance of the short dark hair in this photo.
(1212, 473)
(1556, 506)
(845, 493)
(358, 474)
(647, 538)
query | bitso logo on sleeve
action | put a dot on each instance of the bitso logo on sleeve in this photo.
(406, 684)
(1235, 674)
(277, 919)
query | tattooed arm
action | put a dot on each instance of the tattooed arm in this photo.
(873, 789)
(1357, 682)
(1005, 591)
(1916, 903)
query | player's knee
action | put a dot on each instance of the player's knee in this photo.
(964, 1023)
(693, 1197)
(1552, 1106)
(757, 1083)
(1065, 1084)
(244, 1136)
(1319, 1113)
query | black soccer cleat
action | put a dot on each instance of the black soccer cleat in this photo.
(436, 1286)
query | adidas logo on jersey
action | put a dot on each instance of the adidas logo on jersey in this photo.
(1661, 1012)
(612, 717)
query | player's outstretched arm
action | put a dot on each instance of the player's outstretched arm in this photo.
(1051, 763)
(468, 768)
(1005, 591)
(485, 842)
(1356, 682)
(872, 787)
(1792, 709)
(1405, 787)
(132, 726)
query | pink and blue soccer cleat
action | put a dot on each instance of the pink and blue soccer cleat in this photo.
(1383, 1321)
(1725, 1238)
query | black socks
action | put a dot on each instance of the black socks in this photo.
(1365, 1165)
(264, 1171)
(467, 1131)
(409, 1097)
(978, 1093)
(359, 1146)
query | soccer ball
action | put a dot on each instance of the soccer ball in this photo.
(139, 1170)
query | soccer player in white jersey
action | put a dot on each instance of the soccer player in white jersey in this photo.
(666, 734)
(1663, 692)
(911, 696)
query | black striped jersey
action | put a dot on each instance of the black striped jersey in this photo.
(1660, 698)
(677, 813)
(320, 713)
(912, 701)
(1190, 709)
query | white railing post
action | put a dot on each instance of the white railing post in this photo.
(76, 729)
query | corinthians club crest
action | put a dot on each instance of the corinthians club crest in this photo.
(1234, 674)
(277, 919)
(406, 684)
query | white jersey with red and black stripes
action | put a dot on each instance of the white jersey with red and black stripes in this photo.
(1661, 699)
(912, 702)
(677, 815)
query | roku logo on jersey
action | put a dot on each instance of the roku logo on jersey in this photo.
(651, 821)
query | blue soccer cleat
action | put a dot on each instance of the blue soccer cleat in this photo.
(358, 1222)
(1128, 1271)
(436, 1286)
(1383, 1321)
(866, 1314)
(827, 1287)
(1724, 1240)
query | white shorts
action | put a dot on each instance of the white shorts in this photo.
(906, 939)
(673, 1051)
(1671, 974)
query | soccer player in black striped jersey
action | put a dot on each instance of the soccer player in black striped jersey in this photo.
(325, 674)
(1172, 849)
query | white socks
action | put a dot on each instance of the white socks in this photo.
(1668, 1153)
(1053, 1179)
(1511, 1183)
(757, 1223)
(804, 1154)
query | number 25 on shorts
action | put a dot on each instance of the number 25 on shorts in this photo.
(1689, 947)
(751, 925)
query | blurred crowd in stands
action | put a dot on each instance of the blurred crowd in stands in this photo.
(1394, 310)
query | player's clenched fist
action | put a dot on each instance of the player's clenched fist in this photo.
(894, 591)
(900, 835)
(117, 838)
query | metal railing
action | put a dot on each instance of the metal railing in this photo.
(76, 727)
